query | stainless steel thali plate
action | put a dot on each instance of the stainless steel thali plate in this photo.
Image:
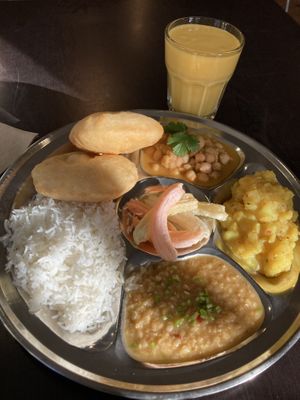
(109, 368)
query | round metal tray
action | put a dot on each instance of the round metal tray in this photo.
(106, 366)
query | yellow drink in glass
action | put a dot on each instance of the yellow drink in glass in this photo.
(201, 55)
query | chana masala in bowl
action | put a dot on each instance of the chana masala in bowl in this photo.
(198, 158)
(188, 310)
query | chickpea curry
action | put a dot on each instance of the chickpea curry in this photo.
(199, 159)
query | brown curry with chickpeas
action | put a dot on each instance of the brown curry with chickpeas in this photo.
(210, 165)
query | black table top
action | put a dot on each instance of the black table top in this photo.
(62, 60)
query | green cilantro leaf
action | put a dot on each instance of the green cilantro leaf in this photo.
(206, 308)
(180, 140)
(174, 127)
(182, 143)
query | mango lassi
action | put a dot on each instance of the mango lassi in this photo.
(200, 60)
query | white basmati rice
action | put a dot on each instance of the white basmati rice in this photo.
(67, 257)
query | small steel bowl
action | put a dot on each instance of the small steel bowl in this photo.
(137, 191)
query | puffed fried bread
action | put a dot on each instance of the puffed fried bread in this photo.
(79, 176)
(115, 132)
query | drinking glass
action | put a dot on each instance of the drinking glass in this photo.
(201, 55)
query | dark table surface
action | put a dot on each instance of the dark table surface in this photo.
(62, 60)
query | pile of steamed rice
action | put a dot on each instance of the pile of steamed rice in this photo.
(68, 258)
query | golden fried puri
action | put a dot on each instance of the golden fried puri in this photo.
(116, 132)
(78, 176)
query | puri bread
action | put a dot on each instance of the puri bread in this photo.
(115, 133)
(79, 176)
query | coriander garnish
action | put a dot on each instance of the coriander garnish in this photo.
(180, 140)
(206, 308)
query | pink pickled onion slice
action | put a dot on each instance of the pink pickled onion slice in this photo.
(183, 239)
(159, 232)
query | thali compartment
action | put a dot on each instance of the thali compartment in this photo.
(16, 191)
(273, 285)
(137, 191)
(216, 140)
(140, 262)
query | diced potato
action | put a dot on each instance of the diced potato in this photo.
(230, 235)
(261, 228)
(278, 259)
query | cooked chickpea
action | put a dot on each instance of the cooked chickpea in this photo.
(208, 142)
(216, 166)
(211, 150)
(179, 162)
(155, 167)
(210, 158)
(165, 161)
(200, 157)
(191, 175)
(186, 167)
(197, 167)
(172, 164)
(185, 159)
(157, 155)
(205, 167)
(224, 158)
(176, 172)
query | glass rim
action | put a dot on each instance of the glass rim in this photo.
(208, 21)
